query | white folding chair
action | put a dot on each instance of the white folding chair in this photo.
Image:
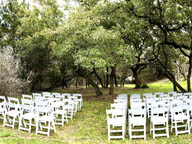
(27, 115)
(29, 97)
(115, 124)
(134, 102)
(44, 120)
(46, 93)
(75, 103)
(137, 119)
(147, 95)
(138, 105)
(159, 117)
(69, 107)
(180, 119)
(172, 93)
(13, 112)
(3, 108)
(80, 101)
(59, 112)
(36, 95)
(157, 94)
(66, 95)
(163, 96)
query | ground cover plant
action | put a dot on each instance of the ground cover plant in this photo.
(89, 125)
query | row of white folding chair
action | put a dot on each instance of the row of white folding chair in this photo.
(179, 114)
(116, 117)
(70, 105)
(15, 112)
(62, 96)
(26, 113)
(159, 117)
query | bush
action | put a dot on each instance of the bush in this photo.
(143, 86)
(9, 74)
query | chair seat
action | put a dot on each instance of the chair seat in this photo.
(180, 117)
(158, 120)
(28, 116)
(45, 118)
(13, 113)
(60, 112)
(137, 121)
(116, 121)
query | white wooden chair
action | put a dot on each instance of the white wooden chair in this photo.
(36, 95)
(157, 94)
(29, 97)
(180, 119)
(66, 95)
(138, 105)
(135, 101)
(80, 101)
(26, 105)
(69, 107)
(75, 104)
(3, 108)
(13, 112)
(59, 112)
(172, 93)
(116, 124)
(44, 120)
(159, 117)
(27, 116)
(137, 119)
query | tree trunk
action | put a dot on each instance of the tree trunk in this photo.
(172, 79)
(107, 78)
(76, 83)
(99, 78)
(83, 74)
(111, 89)
(95, 86)
(189, 74)
(136, 76)
(174, 87)
(115, 78)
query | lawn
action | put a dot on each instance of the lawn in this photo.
(89, 125)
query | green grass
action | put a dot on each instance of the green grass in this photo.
(89, 125)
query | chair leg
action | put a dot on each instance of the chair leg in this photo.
(13, 124)
(188, 123)
(144, 132)
(167, 129)
(153, 131)
(53, 124)
(108, 132)
(20, 123)
(30, 123)
(48, 130)
(37, 127)
(176, 128)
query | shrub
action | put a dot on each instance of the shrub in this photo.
(9, 74)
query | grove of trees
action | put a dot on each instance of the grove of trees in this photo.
(99, 41)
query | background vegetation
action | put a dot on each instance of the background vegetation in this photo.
(98, 43)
